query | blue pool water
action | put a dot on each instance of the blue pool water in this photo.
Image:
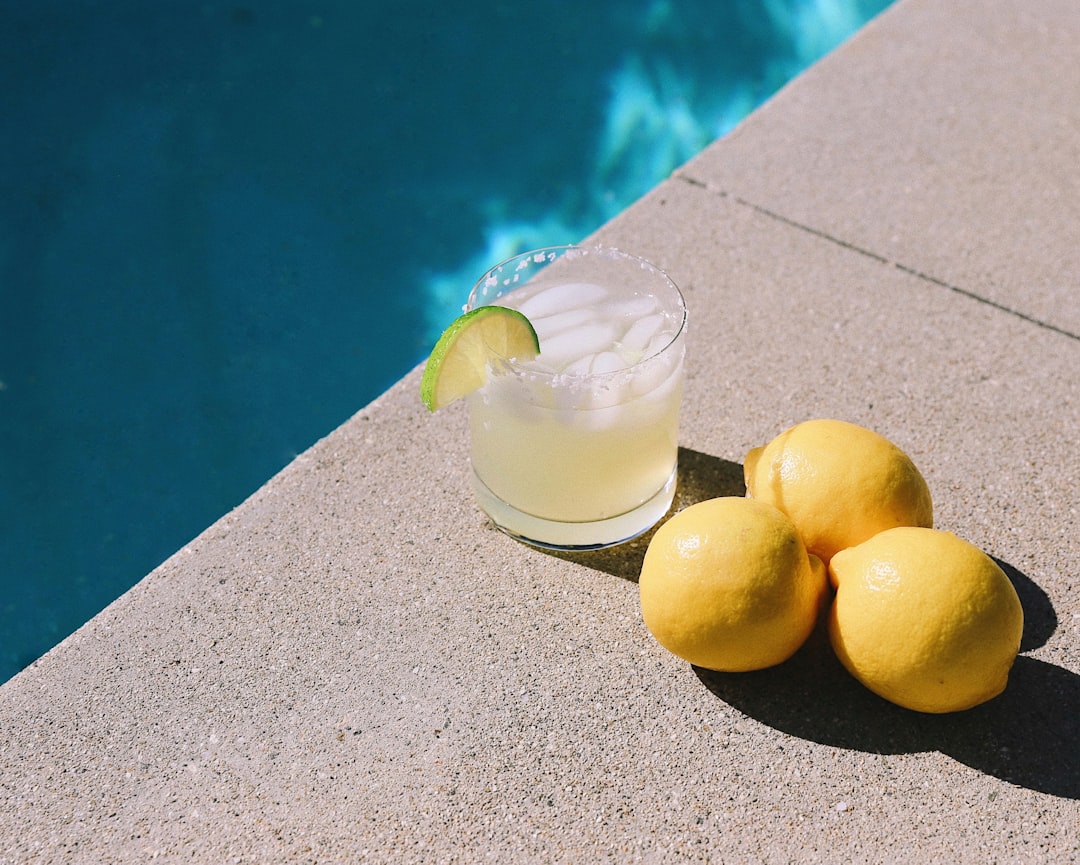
(225, 227)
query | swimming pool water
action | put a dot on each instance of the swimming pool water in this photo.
(225, 227)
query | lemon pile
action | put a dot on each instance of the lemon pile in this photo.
(836, 516)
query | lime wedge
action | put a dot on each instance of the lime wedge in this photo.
(458, 364)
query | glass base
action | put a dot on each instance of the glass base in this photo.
(553, 535)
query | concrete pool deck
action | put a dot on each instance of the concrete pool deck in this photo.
(354, 666)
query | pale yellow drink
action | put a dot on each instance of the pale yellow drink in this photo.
(578, 447)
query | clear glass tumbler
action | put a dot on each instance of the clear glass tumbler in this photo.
(578, 448)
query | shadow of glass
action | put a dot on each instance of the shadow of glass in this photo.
(700, 477)
(1026, 736)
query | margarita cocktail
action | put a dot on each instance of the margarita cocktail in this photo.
(577, 447)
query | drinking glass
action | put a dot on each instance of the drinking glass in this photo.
(578, 448)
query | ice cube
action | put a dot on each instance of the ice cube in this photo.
(613, 391)
(642, 331)
(581, 366)
(602, 418)
(657, 376)
(657, 343)
(560, 298)
(551, 325)
(571, 345)
(633, 308)
(606, 361)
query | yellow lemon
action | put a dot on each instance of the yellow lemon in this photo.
(840, 484)
(727, 584)
(924, 619)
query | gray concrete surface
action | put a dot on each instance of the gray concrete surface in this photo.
(354, 666)
(946, 143)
